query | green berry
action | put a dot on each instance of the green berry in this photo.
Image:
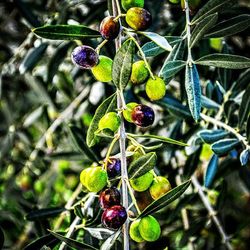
(139, 73)
(149, 228)
(127, 4)
(159, 187)
(142, 183)
(110, 121)
(174, 1)
(127, 112)
(134, 231)
(155, 88)
(103, 70)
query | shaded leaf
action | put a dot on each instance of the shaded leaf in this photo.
(244, 108)
(99, 233)
(65, 32)
(242, 82)
(106, 106)
(211, 136)
(47, 240)
(68, 155)
(224, 146)
(165, 200)
(202, 27)
(72, 243)
(171, 68)
(193, 90)
(122, 65)
(142, 165)
(230, 27)
(224, 61)
(44, 213)
(211, 170)
(208, 103)
(1, 238)
(33, 116)
(244, 157)
(107, 245)
(248, 129)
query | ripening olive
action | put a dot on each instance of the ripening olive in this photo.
(138, 18)
(134, 231)
(103, 70)
(110, 28)
(142, 183)
(127, 4)
(142, 115)
(155, 88)
(128, 111)
(139, 73)
(159, 187)
(109, 197)
(110, 121)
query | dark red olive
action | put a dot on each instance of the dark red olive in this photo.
(109, 28)
(142, 115)
(114, 217)
(84, 57)
(113, 167)
(109, 197)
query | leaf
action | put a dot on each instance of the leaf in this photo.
(165, 200)
(1, 238)
(44, 213)
(248, 129)
(211, 170)
(160, 138)
(66, 32)
(193, 90)
(72, 243)
(99, 233)
(122, 65)
(230, 27)
(65, 155)
(80, 143)
(142, 165)
(224, 61)
(40, 242)
(242, 82)
(208, 103)
(244, 157)
(171, 68)
(33, 116)
(106, 106)
(157, 39)
(244, 108)
(223, 146)
(211, 136)
(211, 7)
(202, 27)
(107, 245)
(33, 56)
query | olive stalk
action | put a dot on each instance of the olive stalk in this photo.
(122, 140)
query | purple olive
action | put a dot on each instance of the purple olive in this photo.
(142, 115)
(109, 28)
(113, 167)
(109, 197)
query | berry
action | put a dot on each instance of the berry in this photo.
(155, 88)
(127, 4)
(103, 70)
(84, 57)
(94, 178)
(134, 231)
(127, 112)
(142, 183)
(114, 217)
(149, 228)
(109, 28)
(174, 1)
(113, 167)
(159, 187)
(139, 73)
(109, 197)
(142, 115)
(110, 121)
(138, 18)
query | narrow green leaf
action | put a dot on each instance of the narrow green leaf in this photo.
(72, 243)
(33, 116)
(224, 146)
(244, 108)
(211, 136)
(171, 68)
(47, 240)
(44, 213)
(242, 82)
(202, 27)
(211, 7)
(107, 245)
(81, 144)
(211, 170)
(122, 65)
(99, 233)
(208, 103)
(161, 41)
(65, 32)
(106, 106)
(165, 200)
(224, 61)
(142, 165)
(65, 155)
(193, 90)
(230, 27)
(159, 138)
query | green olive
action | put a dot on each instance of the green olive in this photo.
(127, 4)
(174, 1)
(134, 231)
(155, 88)
(142, 183)
(110, 121)
(127, 112)
(103, 70)
(159, 187)
(139, 73)
(149, 228)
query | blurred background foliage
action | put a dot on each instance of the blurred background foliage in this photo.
(38, 86)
